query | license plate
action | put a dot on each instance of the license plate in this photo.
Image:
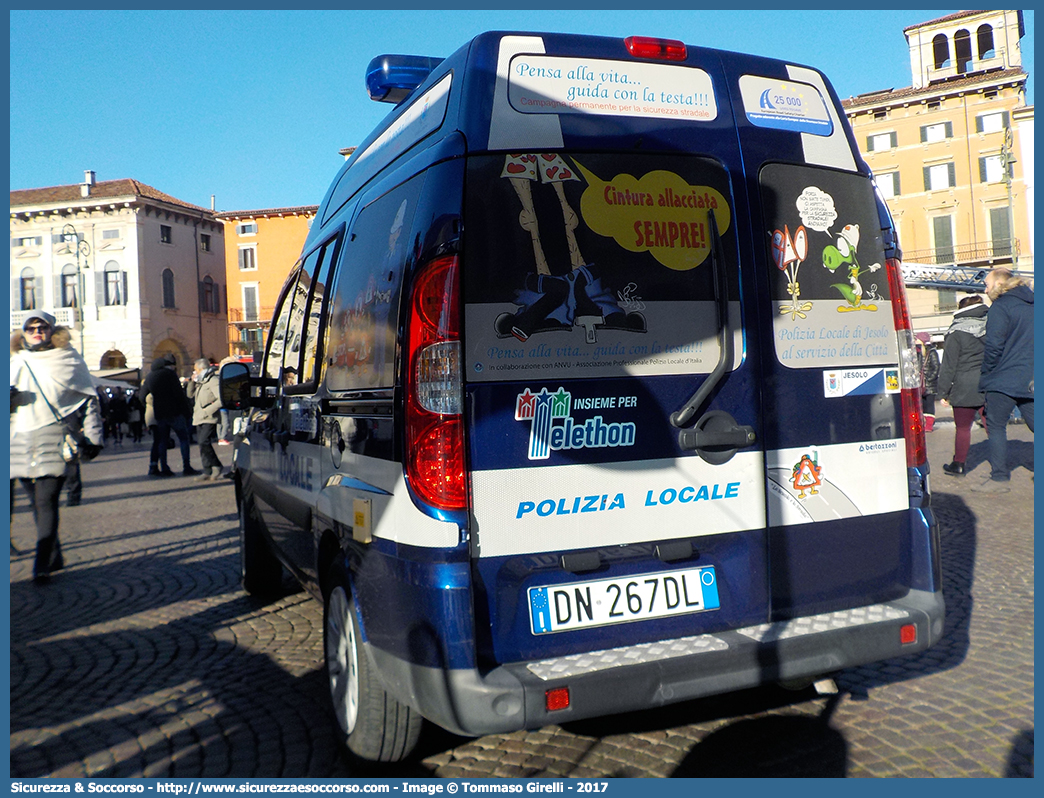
(601, 602)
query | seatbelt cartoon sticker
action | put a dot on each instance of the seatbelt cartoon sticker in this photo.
(558, 302)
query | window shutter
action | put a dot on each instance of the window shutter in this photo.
(927, 179)
(202, 296)
(1004, 118)
(893, 138)
(241, 258)
(40, 304)
(951, 174)
(869, 143)
(895, 177)
(924, 133)
(125, 297)
(949, 130)
(59, 300)
(978, 124)
(982, 170)
(16, 292)
(99, 288)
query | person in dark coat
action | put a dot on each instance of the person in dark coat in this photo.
(959, 375)
(928, 359)
(1006, 376)
(172, 410)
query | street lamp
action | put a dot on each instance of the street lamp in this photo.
(81, 247)
(1007, 160)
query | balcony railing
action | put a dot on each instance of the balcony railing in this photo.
(995, 253)
(262, 316)
(64, 317)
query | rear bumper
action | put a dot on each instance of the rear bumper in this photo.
(511, 697)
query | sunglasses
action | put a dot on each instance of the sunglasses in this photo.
(38, 328)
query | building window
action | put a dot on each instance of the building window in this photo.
(168, 289)
(941, 51)
(247, 259)
(69, 290)
(942, 229)
(251, 338)
(937, 132)
(165, 234)
(246, 229)
(1000, 232)
(991, 169)
(991, 123)
(114, 284)
(934, 105)
(204, 242)
(250, 303)
(27, 289)
(110, 234)
(939, 177)
(209, 296)
(984, 39)
(882, 141)
(58, 238)
(28, 241)
(880, 114)
(888, 183)
(963, 49)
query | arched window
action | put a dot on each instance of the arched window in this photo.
(984, 35)
(70, 292)
(963, 51)
(114, 284)
(168, 289)
(28, 295)
(941, 51)
(209, 295)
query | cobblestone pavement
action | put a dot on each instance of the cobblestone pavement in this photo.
(144, 658)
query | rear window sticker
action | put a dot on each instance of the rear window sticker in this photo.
(784, 105)
(860, 382)
(592, 265)
(828, 283)
(543, 84)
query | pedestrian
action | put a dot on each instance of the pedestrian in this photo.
(928, 360)
(52, 396)
(117, 417)
(959, 375)
(135, 415)
(172, 410)
(1006, 375)
(205, 416)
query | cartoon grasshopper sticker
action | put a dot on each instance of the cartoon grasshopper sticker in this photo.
(844, 254)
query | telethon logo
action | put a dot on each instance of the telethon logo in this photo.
(545, 410)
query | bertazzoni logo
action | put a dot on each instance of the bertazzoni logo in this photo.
(552, 426)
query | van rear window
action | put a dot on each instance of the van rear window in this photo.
(593, 264)
(831, 304)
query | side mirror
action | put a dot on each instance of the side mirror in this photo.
(234, 386)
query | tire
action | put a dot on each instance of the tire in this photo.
(374, 726)
(260, 571)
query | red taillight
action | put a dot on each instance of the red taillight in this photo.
(434, 425)
(660, 49)
(909, 371)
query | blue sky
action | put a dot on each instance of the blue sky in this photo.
(253, 106)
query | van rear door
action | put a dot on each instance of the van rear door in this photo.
(591, 292)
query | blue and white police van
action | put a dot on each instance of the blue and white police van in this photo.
(593, 390)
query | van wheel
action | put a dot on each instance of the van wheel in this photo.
(374, 726)
(260, 572)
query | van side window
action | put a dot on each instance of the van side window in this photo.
(365, 305)
(314, 333)
(276, 339)
(297, 328)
